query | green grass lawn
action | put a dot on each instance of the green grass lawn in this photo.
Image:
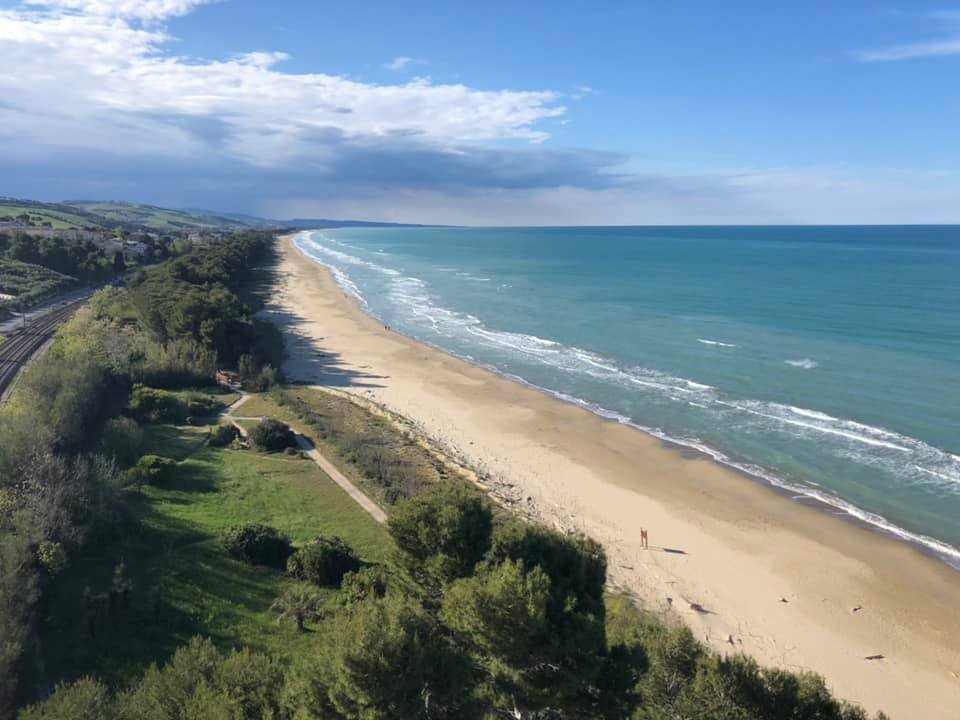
(184, 584)
(349, 435)
(59, 219)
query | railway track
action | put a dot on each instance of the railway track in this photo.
(21, 346)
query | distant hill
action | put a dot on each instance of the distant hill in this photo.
(307, 223)
(60, 215)
(107, 215)
(154, 218)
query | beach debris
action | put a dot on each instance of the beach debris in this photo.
(873, 657)
(857, 608)
(697, 607)
(627, 567)
(730, 639)
(783, 600)
(669, 601)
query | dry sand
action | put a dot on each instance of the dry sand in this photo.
(771, 576)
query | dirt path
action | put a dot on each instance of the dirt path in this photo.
(352, 490)
(322, 462)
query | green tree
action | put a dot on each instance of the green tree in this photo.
(577, 565)
(674, 659)
(123, 438)
(85, 699)
(272, 435)
(300, 603)
(200, 684)
(501, 614)
(323, 561)
(385, 659)
(258, 544)
(442, 533)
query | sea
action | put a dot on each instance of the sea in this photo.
(822, 360)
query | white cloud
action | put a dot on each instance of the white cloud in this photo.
(134, 9)
(97, 75)
(949, 45)
(912, 50)
(403, 63)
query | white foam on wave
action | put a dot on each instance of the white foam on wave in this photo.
(348, 258)
(413, 294)
(948, 553)
(804, 363)
(934, 473)
(716, 343)
(751, 407)
(471, 276)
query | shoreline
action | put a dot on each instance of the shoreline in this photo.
(796, 490)
(730, 545)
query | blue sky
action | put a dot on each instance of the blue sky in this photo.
(489, 113)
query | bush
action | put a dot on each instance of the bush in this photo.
(272, 435)
(257, 544)
(200, 405)
(151, 405)
(323, 561)
(256, 377)
(152, 470)
(300, 603)
(365, 584)
(123, 438)
(85, 699)
(223, 435)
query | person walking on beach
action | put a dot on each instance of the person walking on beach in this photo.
(643, 539)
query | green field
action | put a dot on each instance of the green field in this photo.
(154, 218)
(30, 283)
(108, 215)
(184, 583)
(385, 460)
(61, 217)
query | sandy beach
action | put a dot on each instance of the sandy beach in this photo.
(788, 583)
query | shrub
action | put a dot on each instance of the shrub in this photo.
(152, 405)
(123, 438)
(299, 603)
(365, 584)
(198, 682)
(223, 435)
(257, 544)
(52, 556)
(85, 699)
(152, 470)
(200, 405)
(323, 561)
(272, 435)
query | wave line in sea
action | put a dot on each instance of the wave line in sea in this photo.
(412, 293)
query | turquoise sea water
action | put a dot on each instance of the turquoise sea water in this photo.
(825, 360)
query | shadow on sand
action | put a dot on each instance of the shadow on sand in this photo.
(312, 363)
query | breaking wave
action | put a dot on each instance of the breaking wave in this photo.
(914, 461)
